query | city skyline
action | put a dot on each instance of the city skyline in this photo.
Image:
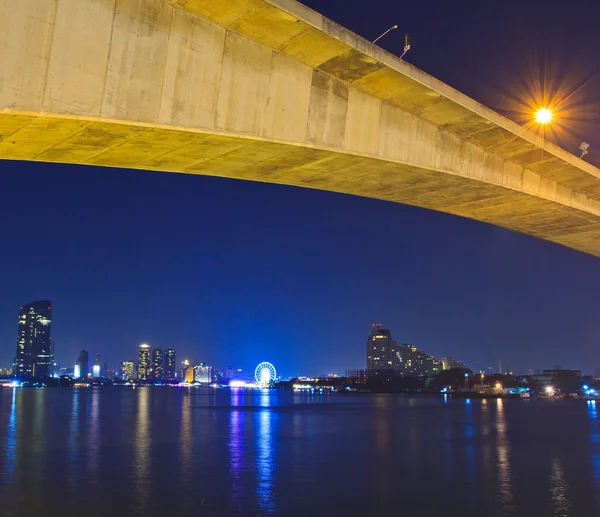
(155, 364)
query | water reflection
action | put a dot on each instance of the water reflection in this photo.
(505, 493)
(382, 464)
(39, 431)
(186, 434)
(265, 464)
(558, 489)
(73, 441)
(142, 451)
(236, 451)
(92, 443)
(11, 439)
(595, 446)
(470, 446)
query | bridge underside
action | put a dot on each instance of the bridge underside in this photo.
(271, 91)
(112, 144)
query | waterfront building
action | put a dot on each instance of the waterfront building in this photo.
(380, 349)
(34, 356)
(97, 366)
(127, 370)
(170, 364)
(430, 366)
(414, 362)
(143, 362)
(185, 365)
(448, 363)
(189, 374)
(158, 364)
(82, 365)
(384, 355)
(203, 373)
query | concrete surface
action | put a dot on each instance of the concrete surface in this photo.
(271, 91)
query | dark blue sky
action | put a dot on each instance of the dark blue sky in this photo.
(234, 273)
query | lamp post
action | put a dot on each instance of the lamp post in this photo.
(390, 29)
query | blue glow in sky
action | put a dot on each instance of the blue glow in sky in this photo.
(233, 273)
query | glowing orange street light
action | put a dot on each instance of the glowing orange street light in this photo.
(543, 116)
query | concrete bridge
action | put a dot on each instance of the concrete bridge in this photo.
(269, 90)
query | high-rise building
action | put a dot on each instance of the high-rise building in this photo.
(170, 364)
(127, 368)
(407, 359)
(448, 363)
(83, 364)
(143, 362)
(380, 349)
(185, 366)
(34, 357)
(97, 366)
(203, 373)
(158, 364)
(189, 374)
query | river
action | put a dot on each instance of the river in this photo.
(166, 451)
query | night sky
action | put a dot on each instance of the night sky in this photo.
(233, 273)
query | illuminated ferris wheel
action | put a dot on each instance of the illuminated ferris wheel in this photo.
(265, 373)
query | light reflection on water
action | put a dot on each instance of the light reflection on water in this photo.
(170, 451)
(236, 451)
(142, 452)
(73, 441)
(92, 443)
(594, 427)
(265, 460)
(504, 483)
(558, 489)
(470, 448)
(11, 440)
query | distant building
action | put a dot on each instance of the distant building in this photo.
(170, 364)
(127, 370)
(384, 354)
(97, 367)
(380, 349)
(143, 362)
(203, 374)
(185, 365)
(189, 374)
(412, 361)
(82, 365)
(158, 364)
(559, 371)
(448, 363)
(34, 356)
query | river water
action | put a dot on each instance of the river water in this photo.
(158, 451)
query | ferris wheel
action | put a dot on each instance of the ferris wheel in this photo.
(265, 373)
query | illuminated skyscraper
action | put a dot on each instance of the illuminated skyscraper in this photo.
(170, 364)
(143, 362)
(83, 363)
(158, 364)
(203, 373)
(185, 366)
(34, 357)
(127, 368)
(380, 349)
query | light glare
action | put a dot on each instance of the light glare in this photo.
(543, 115)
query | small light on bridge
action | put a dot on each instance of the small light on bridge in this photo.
(543, 116)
